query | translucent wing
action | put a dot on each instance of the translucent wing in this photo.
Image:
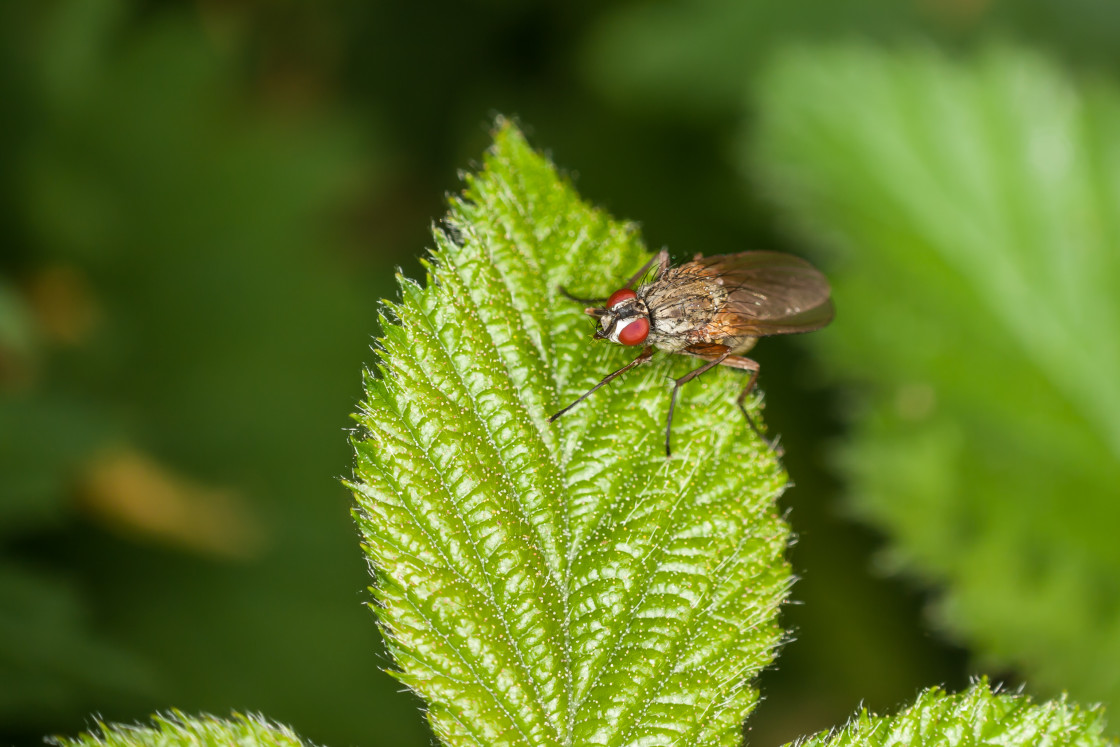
(769, 293)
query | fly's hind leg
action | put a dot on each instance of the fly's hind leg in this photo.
(748, 365)
(742, 363)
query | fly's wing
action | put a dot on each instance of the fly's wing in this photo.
(769, 293)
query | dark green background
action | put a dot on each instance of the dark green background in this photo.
(226, 189)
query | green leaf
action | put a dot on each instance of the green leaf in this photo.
(977, 717)
(694, 60)
(974, 215)
(561, 583)
(177, 729)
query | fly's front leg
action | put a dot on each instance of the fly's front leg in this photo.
(661, 259)
(592, 301)
(718, 358)
(644, 356)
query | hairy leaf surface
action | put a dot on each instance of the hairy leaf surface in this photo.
(975, 718)
(179, 730)
(558, 584)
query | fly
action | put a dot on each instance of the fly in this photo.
(712, 308)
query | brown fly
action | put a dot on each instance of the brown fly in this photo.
(712, 308)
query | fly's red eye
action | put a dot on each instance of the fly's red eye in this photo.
(619, 296)
(635, 332)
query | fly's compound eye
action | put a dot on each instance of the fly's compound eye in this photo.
(635, 331)
(619, 296)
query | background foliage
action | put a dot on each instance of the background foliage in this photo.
(980, 273)
(202, 204)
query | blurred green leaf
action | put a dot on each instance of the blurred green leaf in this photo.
(56, 661)
(179, 730)
(694, 59)
(559, 584)
(183, 242)
(974, 212)
(976, 718)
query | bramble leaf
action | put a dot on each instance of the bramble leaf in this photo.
(975, 718)
(179, 730)
(549, 584)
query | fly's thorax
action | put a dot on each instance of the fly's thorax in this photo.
(679, 306)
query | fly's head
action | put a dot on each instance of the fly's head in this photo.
(625, 318)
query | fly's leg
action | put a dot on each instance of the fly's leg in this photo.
(743, 364)
(678, 383)
(592, 301)
(741, 401)
(661, 259)
(644, 356)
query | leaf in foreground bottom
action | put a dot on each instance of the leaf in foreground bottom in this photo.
(975, 718)
(564, 583)
(179, 730)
